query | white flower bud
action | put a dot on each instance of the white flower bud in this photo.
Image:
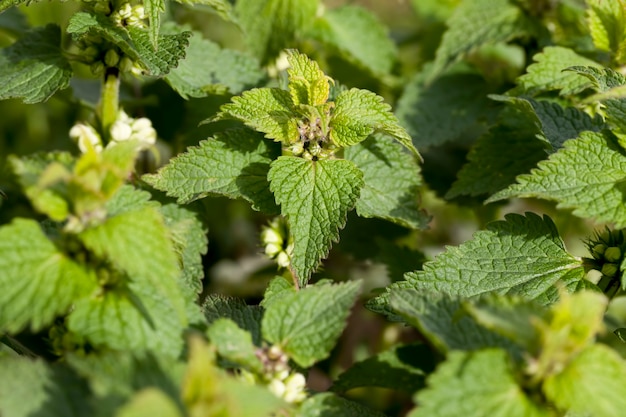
(121, 131)
(125, 11)
(283, 259)
(270, 235)
(282, 375)
(86, 137)
(273, 249)
(295, 386)
(277, 388)
(139, 12)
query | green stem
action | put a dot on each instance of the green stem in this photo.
(109, 102)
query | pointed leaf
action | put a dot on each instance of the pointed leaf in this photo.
(306, 324)
(268, 110)
(38, 282)
(476, 384)
(359, 113)
(315, 197)
(34, 68)
(329, 404)
(234, 344)
(587, 175)
(391, 176)
(607, 25)
(307, 82)
(233, 164)
(207, 66)
(153, 9)
(247, 317)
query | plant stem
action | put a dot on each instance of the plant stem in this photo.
(109, 102)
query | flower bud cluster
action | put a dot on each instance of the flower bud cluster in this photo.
(86, 137)
(281, 380)
(278, 244)
(607, 251)
(128, 15)
(313, 144)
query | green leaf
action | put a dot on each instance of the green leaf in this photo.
(222, 8)
(478, 22)
(607, 25)
(134, 42)
(38, 282)
(278, 287)
(268, 110)
(128, 198)
(358, 36)
(587, 175)
(476, 384)
(272, 25)
(307, 82)
(247, 317)
(315, 196)
(520, 255)
(206, 65)
(441, 319)
(34, 68)
(33, 388)
(234, 344)
(150, 402)
(391, 176)
(7, 4)
(359, 113)
(329, 404)
(547, 73)
(445, 109)
(234, 164)
(153, 9)
(306, 324)
(13, 21)
(402, 367)
(594, 382)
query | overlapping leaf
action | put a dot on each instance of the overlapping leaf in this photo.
(34, 67)
(234, 344)
(315, 197)
(606, 20)
(234, 164)
(328, 404)
(247, 317)
(587, 175)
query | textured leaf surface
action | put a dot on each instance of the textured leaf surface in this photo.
(307, 82)
(272, 25)
(444, 109)
(247, 317)
(520, 255)
(32, 388)
(403, 367)
(358, 36)
(234, 164)
(475, 23)
(134, 42)
(206, 66)
(359, 113)
(307, 323)
(587, 175)
(475, 384)
(234, 344)
(391, 176)
(34, 68)
(153, 9)
(328, 404)
(441, 319)
(547, 73)
(268, 110)
(315, 197)
(38, 282)
(606, 20)
(587, 377)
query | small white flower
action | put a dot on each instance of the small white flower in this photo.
(86, 137)
(277, 388)
(121, 131)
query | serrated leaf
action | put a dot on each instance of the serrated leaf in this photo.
(403, 367)
(38, 282)
(307, 323)
(582, 386)
(234, 344)
(359, 113)
(278, 287)
(476, 384)
(587, 175)
(606, 20)
(547, 74)
(392, 181)
(445, 109)
(315, 196)
(358, 36)
(247, 317)
(33, 388)
(128, 198)
(478, 22)
(206, 65)
(134, 42)
(268, 110)
(521, 255)
(307, 82)
(34, 67)
(150, 402)
(153, 9)
(6, 4)
(441, 319)
(329, 404)
(234, 164)
(273, 25)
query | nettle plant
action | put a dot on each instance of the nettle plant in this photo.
(109, 295)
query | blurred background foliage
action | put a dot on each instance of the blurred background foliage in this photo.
(376, 251)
